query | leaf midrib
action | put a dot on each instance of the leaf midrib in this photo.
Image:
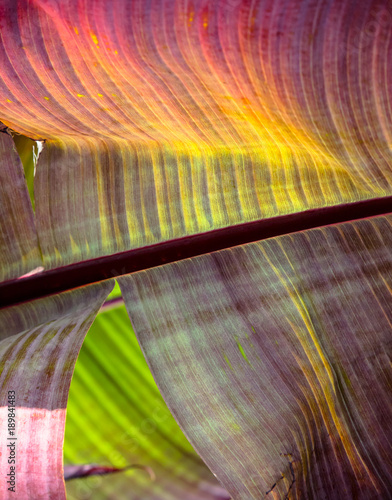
(99, 269)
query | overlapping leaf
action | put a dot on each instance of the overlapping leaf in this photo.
(39, 344)
(274, 357)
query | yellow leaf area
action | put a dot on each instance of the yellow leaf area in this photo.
(154, 134)
(99, 196)
(213, 81)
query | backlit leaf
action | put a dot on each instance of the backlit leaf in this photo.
(275, 359)
(165, 119)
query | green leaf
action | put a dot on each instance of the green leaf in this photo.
(119, 418)
(274, 357)
(28, 150)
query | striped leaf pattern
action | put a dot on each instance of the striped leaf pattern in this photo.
(39, 344)
(171, 118)
(274, 357)
(164, 119)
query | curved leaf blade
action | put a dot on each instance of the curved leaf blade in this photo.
(96, 198)
(274, 357)
(231, 116)
(39, 345)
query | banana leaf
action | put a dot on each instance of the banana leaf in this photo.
(40, 341)
(250, 142)
(274, 365)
